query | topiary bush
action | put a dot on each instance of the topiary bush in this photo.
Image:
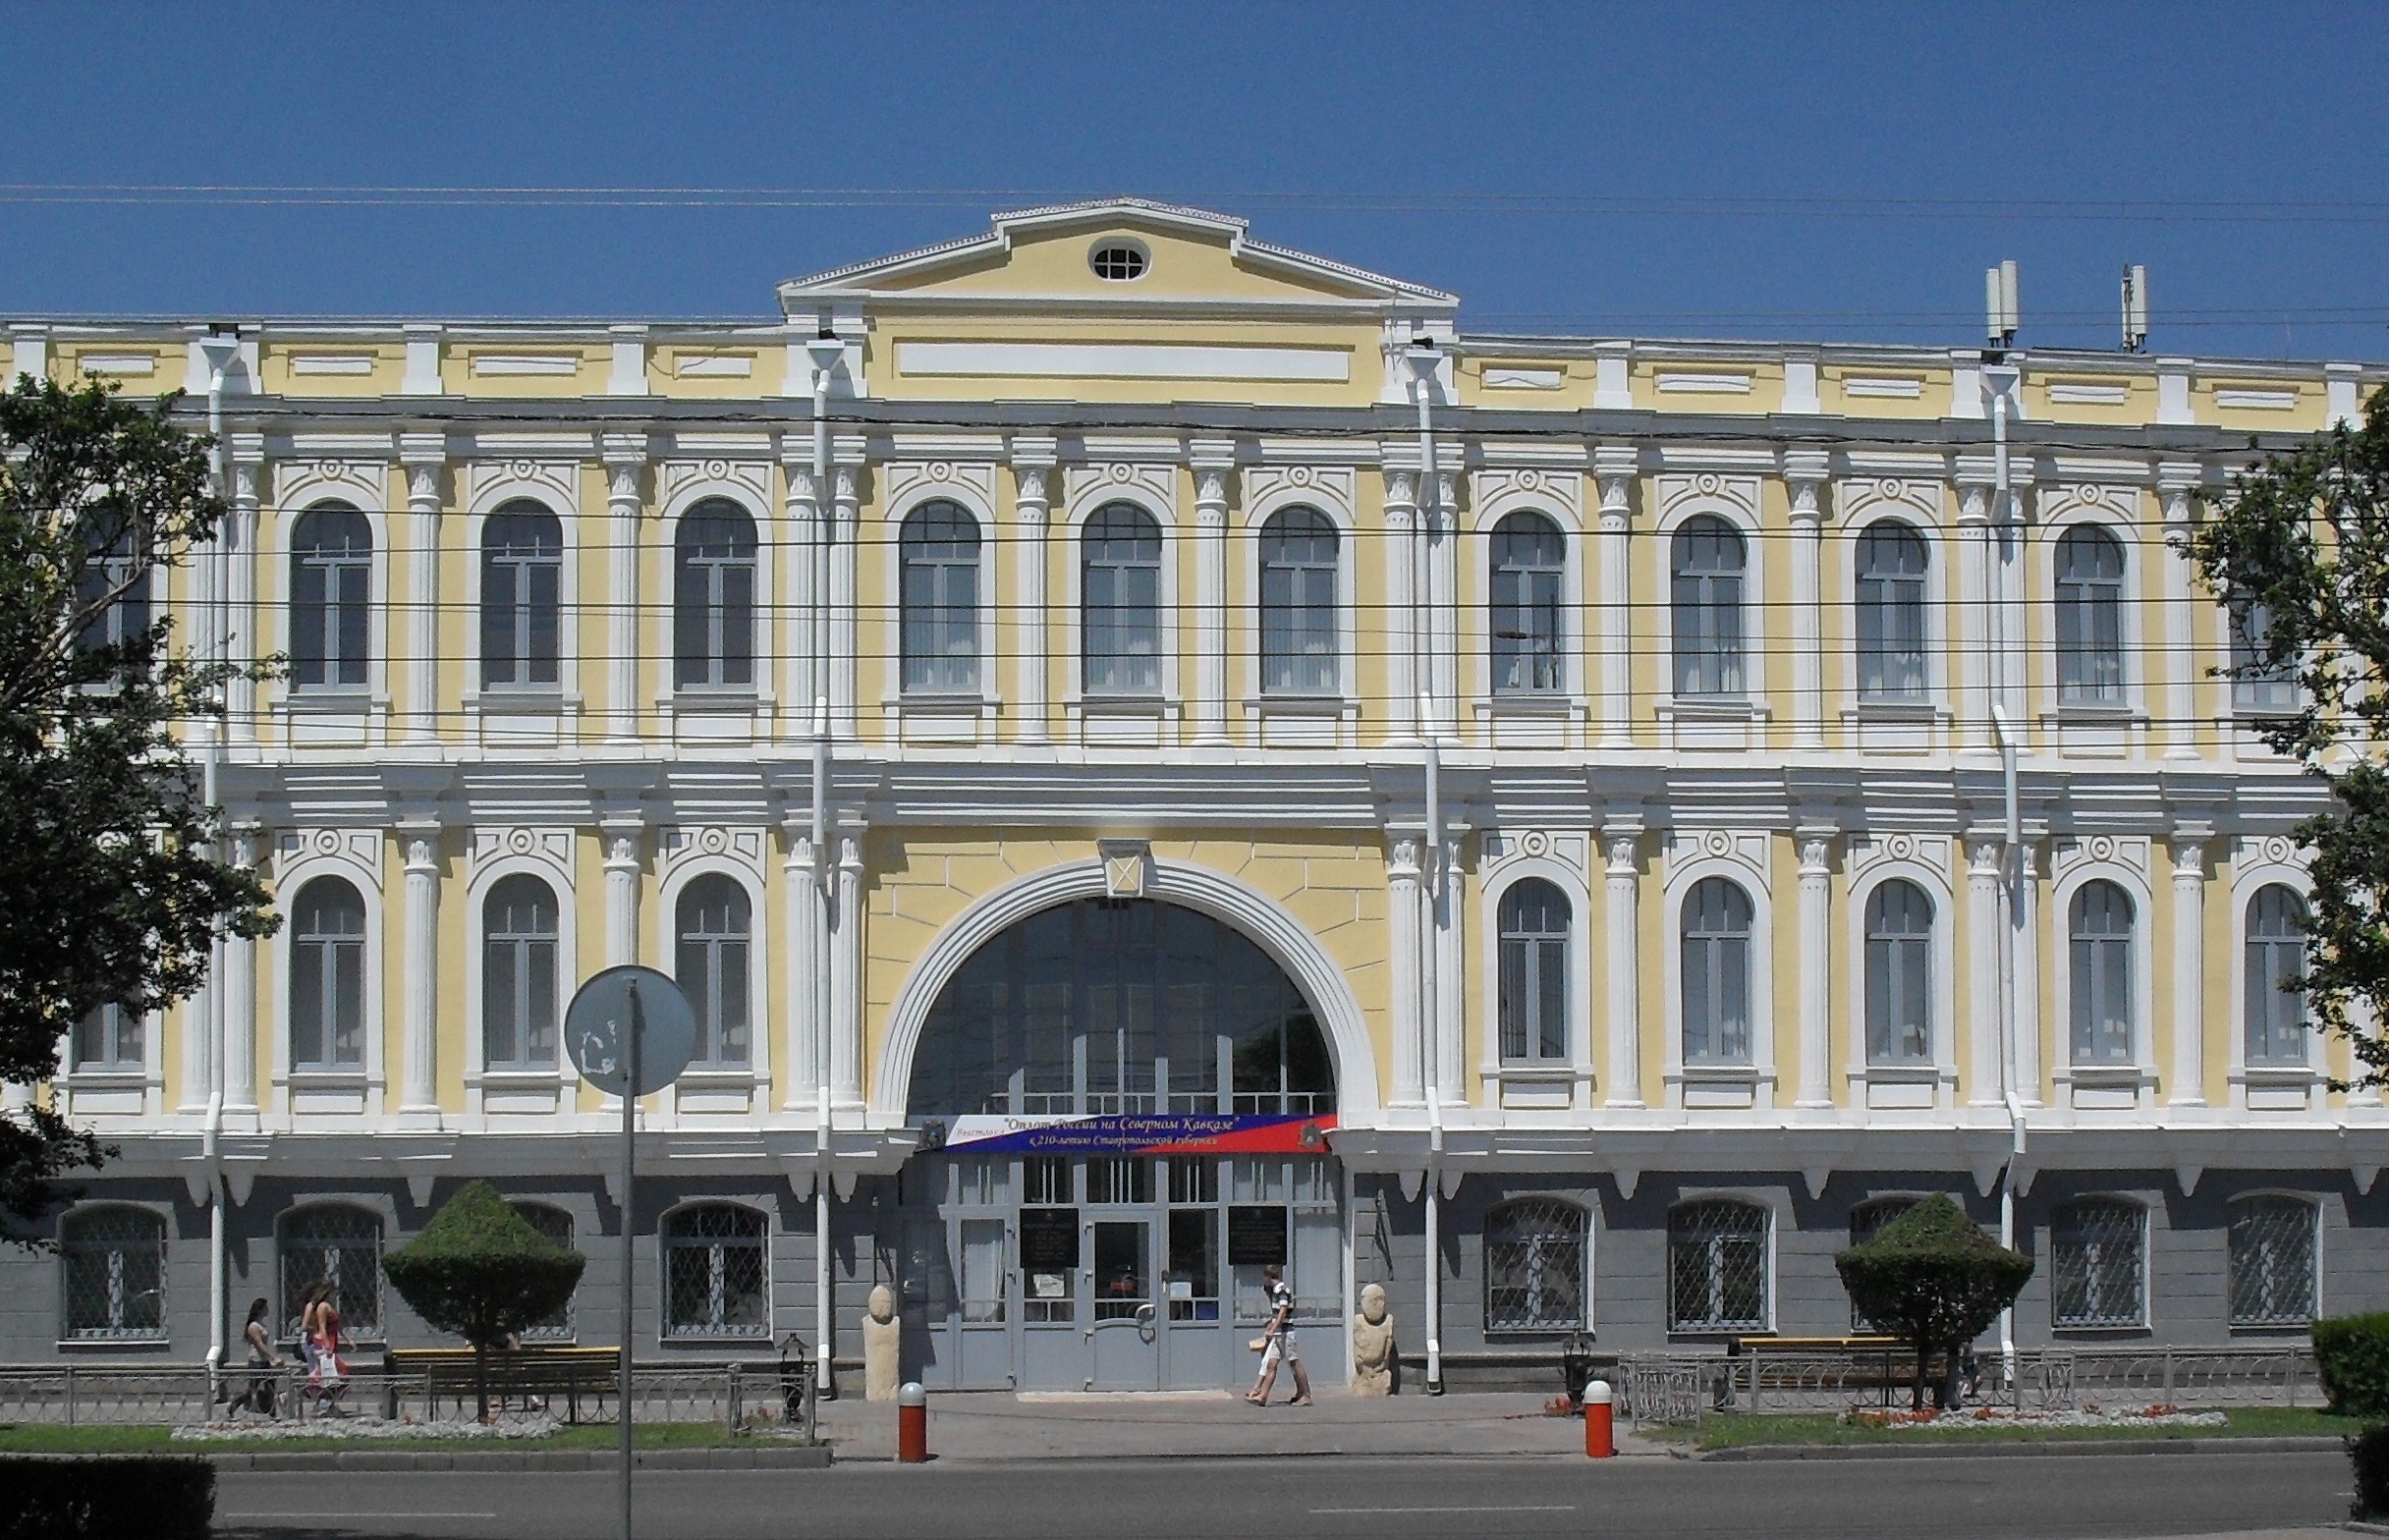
(1933, 1279)
(481, 1270)
(2352, 1351)
(158, 1496)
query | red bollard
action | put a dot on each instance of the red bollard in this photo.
(912, 1424)
(1601, 1438)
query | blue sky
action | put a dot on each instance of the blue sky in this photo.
(1839, 172)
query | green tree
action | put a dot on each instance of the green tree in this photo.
(111, 889)
(2298, 549)
(1935, 1279)
(481, 1270)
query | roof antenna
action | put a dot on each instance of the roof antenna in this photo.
(1999, 304)
(2136, 309)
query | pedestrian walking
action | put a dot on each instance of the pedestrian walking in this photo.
(258, 1394)
(328, 1372)
(1278, 1343)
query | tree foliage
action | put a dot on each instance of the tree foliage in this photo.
(111, 889)
(1932, 1279)
(481, 1270)
(2299, 551)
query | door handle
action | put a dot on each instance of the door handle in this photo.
(1144, 1321)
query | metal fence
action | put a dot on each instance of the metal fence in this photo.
(1681, 1388)
(743, 1397)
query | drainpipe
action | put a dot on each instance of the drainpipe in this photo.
(826, 350)
(1424, 359)
(2001, 377)
(219, 347)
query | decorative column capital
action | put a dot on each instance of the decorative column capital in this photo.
(2178, 482)
(1804, 471)
(1212, 494)
(1622, 845)
(1614, 470)
(1402, 863)
(1986, 855)
(1975, 502)
(2188, 857)
(1816, 852)
(420, 842)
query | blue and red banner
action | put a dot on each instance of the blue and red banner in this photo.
(1134, 1133)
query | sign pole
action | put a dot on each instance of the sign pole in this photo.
(636, 1031)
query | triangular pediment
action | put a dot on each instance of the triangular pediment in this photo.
(1192, 258)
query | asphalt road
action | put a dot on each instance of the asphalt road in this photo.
(1323, 1499)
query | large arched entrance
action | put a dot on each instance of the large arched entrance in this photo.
(1123, 1108)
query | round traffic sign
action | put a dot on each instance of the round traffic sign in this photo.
(629, 1006)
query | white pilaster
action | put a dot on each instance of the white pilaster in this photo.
(2180, 661)
(1804, 477)
(846, 492)
(620, 895)
(199, 1058)
(1613, 467)
(626, 461)
(1985, 857)
(800, 579)
(420, 983)
(1451, 982)
(800, 879)
(2023, 965)
(2188, 969)
(241, 1006)
(1975, 555)
(1032, 462)
(1620, 972)
(1815, 946)
(423, 456)
(1211, 596)
(1400, 597)
(1443, 604)
(846, 979)
(1403, 914)
(248, 455)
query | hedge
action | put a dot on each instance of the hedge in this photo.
(158, 1496)
(2352, 1351)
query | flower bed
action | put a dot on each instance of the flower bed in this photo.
(515, 1425)
(2088, 1415)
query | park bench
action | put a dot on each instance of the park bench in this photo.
(560, 1376)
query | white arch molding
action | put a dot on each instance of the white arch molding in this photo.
(1256, 917)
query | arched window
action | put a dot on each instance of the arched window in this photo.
(1716, 973)
(1298, 641)
(2276, 1016)
(2099, 1264)
(1866, 1221)
(716, 1281)
(1899, 974)
(331, 588)
(713, 597)
(2272, 1262)
(555, 1226)
(113, 1272)
(2090, 618)
(715, 924)
(109, 1037)
(1533, 981)
(2259, 685)
(1121, 583)
(115, 567)
(519, 930)
(938, 549)
(1892, 559)
(339, 1244)
(1717, 1267)
(1529, 573)
(1708, 562)
(522, 577)
(1535, 1279)
(328, 976)
(2100, 925)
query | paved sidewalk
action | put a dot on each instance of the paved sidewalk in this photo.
(984, 1425)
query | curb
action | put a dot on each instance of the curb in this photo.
(1758, 1453)
(814, 1459)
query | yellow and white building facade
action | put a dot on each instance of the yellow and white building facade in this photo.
(1151, 753)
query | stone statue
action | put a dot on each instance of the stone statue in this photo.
(881, 1339)
(1372, 1345)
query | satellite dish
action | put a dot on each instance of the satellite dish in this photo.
(626, 1007)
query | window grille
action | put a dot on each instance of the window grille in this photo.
(1866, 1221)
(518, 974)
(1716, 974)
(1120, 581)
(1536, 1278)
(2275, 1017)
(716, 1278)
(716, 923)
(556, 1226)
(1708, 563)
(1118, 261)
(1298, 642)
(1892, 560)
(937, 550)
(1899, 976)
(2272, 1262)
(2090, 618)
(328, 976)
(2099, 1264)
(2100, 926)
(1533, 979)
(713, 597)
(113, 1264)
(1530, 575)
(331, 589)
(1717, 1267)
(341, 1246)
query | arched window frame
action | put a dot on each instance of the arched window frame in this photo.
(1264, 529)
(374, 686)
(779, 541)
(1866, 1221)
(1872, 592)
(1166, 692)
(511, 495)
(1902, 1086)
(1757, 1215)
(112, 1275)
(304, 1092)
(1573, 971)
(1742, 863)
(2133, 1081)
(989, 604)
(1725, 675)
(1545, 1083)
(2119, 524)
(2246, 1298)
(2272, 693)
(563, 1227)
(760, 1022)
(2282, 1088)
(2106, 1218)
(362, 1305)
(515, 1089)
(1720, 722)
(1567, 642)
(1285, 715)
(1513, 1267)
(675, 1240)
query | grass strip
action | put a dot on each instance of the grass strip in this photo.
(1736, 1430)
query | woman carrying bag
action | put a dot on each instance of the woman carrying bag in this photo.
(258, 1395)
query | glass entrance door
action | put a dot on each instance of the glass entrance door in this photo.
(1126, 1333)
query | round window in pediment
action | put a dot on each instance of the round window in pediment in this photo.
(1117, 259)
